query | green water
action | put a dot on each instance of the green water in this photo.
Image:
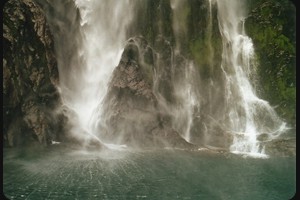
(59, 173)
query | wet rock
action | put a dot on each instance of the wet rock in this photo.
(163, 68)
(281, 147)
(132, 114)
(276, 52)
(30, 76)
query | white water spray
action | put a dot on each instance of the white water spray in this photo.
(185, 88)
(185, 92)
(248, 116)
(103, 28)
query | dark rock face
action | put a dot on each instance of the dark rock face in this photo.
(272, 26)
(131, 110)
(30, 76)
(145, 76)
(282, 147)
(63, 18)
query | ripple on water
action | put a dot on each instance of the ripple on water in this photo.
(148, 175)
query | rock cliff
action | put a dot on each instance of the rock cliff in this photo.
(132, 112)
(30, 76)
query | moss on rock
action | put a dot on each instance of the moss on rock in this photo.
(271, 25)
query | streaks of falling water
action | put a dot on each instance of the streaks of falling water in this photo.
(103, 28)
(185, 88)
(249, 116)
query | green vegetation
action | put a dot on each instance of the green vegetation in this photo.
(271, 25)
(154, 18)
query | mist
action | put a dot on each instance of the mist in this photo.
(118, 88)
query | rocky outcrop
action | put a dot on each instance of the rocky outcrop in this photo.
(142, 106)
(272, 26)
(131, 110)
(281, 147)
(30, 76)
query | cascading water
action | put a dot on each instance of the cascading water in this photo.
(245, 116)
(185, 85)
(248, 115)
(186, 93)
(220, 101)
(193, 82)
(103, 28)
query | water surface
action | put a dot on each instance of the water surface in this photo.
(59, 173)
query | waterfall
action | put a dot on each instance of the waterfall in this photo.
(249, 117)
(209, 34)
(186, 83)
(103, 31)
(203, 74)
